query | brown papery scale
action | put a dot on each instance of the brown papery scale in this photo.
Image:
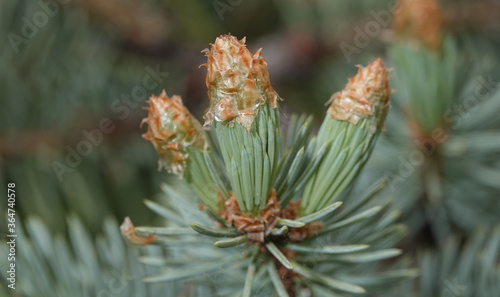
(258, 228)
(128, 231)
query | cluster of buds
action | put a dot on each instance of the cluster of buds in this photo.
(171, 130)
(272, 201)
(237, 81)
(421, 21)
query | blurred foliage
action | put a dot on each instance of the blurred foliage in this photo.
(60, 84)
(50, 266)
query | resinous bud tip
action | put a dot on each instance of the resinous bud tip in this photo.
(365, 95)
(171, 130)
(237, 81)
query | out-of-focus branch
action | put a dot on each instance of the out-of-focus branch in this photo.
(28, 142)
(135, 21)
(477, 15)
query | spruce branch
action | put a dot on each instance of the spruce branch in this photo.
(279, 207)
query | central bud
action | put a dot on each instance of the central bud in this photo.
(237, 81)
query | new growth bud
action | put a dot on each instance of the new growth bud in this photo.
(420, 20)
(366, 95)
(171, 130)
(352, 123)
(130, 233)
(237, 81)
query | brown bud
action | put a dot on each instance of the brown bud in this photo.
(237, 81)
(128, 231)
(420, 20)
(366, 95)
(171, 130)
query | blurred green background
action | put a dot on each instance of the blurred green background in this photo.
(74, 76)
